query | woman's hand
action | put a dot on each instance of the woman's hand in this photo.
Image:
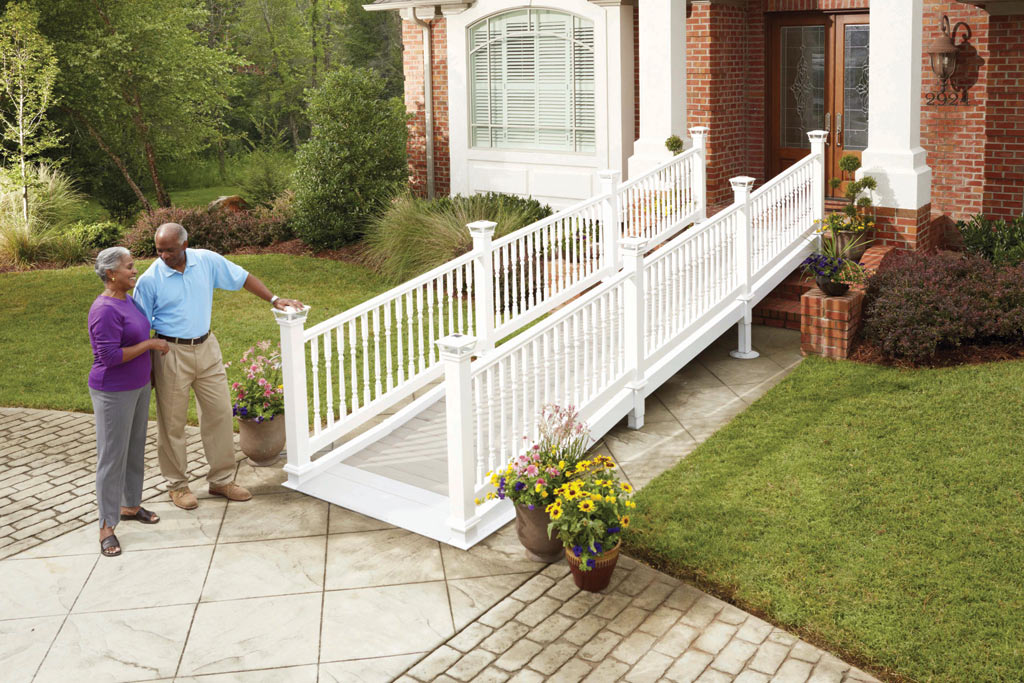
(157, 344)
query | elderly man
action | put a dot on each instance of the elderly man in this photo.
(176, 294)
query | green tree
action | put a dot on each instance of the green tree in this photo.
(367, 39)
(354, 160)
(143, 67)
(28, 70)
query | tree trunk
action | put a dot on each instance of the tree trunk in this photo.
(314, 21)
(162, 198)
(113, 157)
(295, 129)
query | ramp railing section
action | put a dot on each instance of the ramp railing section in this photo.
(604, 353)
(346, 371)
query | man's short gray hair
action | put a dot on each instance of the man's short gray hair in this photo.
(110, 259)
(178, 230)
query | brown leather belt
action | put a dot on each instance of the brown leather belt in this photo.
(186, 342)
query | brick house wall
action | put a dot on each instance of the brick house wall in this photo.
(416, 147)
(1004, 119)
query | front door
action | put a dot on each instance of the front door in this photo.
(817, 79)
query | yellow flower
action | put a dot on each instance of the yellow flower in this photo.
(624, 521)
(610, 499)
(561, 464)
(626, 487)
(477, 501)
(544, 493)
(630, 504)
(556, 512)
(551, 507)
(491, 496)
(586, 505)
(538, 488)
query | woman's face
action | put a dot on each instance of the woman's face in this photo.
(123, 277)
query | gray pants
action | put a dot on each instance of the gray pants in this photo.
(121, 420)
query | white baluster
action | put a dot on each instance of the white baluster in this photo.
(328, 353)
(483, 283)
(377, 362)
(354, 376)
(339, 339)
(387, 344)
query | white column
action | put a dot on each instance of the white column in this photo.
(662, 82)
(483, 282)
(293, 373)
(741, 196)
(456, 354)
(894, 156)
(633, 249)
(619, 95)
(611, 230)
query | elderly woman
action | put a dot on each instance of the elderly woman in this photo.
(119, 387)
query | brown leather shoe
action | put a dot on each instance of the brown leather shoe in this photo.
(184, 499)
(231, 491)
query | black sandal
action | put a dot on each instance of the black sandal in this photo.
(107, 543)
(143, 515)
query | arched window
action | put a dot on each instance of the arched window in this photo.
(532, 81)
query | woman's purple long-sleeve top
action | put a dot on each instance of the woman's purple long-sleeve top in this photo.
(113, 325)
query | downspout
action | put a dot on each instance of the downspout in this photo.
(428, 98)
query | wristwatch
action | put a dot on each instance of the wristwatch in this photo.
(273, 299)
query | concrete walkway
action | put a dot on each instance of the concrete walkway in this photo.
(288, 588)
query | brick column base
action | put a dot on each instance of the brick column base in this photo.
(909, 229)
(828, 324)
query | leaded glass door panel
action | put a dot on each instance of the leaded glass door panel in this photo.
(817, 79)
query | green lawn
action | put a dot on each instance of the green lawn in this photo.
(92, 211)
(877, 512)
(44, 344)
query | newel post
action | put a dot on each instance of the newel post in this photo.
(483, 283)
(293, 373)
(456, 355)
(818, 138)
(635, 325)
(699, 135)
(610, 227)
(744, 244)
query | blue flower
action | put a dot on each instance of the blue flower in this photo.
(591, 563)
(597, 547)
(520, 486)
(530, 506)
(243, 411)
(614, 530)
(577, 550)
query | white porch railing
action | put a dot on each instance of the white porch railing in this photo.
(607, 351)
(342, 373)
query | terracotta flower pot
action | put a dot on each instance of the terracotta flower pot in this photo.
(262, 441)
(860, 240)
(831, 288)
(532, 529)
(595, 579)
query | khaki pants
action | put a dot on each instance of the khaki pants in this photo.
(200, 368)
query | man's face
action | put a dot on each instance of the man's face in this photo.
(168, 249)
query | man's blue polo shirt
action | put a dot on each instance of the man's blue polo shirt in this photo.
(180, 304)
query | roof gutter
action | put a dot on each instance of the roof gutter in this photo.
(428, 98)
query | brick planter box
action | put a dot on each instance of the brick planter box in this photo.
(829, 324)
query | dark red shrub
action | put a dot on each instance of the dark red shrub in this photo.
(220, 231)
(920, 303)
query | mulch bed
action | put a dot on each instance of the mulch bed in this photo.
(969, 354)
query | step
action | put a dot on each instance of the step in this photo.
(777, 311)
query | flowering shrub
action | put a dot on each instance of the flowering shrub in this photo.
(531, 477)
(590, 510)
(259, 395)
(921, 303)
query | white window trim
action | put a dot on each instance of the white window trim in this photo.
(613, 93)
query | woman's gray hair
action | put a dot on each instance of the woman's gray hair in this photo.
(109, 259)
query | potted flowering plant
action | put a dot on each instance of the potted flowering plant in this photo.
(832, 268)
(589, 513)
(530, 478)
(258, 398)
(852, 228)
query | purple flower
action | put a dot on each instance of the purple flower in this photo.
(530, 506)
(243, 411)
(591, 563)
(577, 550)
(520, 486)
(614, 530)
(597, 547)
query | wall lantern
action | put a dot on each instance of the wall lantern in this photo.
(943, 52)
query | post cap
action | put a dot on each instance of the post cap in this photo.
(636, 245)
(609, 174)
(698, 130)
(817, 135)
(743, 182)
(482, 228)
(290, 315)
(456, 345)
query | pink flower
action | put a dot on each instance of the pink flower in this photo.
(268, 392)
(553, 471)
(263, 345)
(532, 470)
(235, 385)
